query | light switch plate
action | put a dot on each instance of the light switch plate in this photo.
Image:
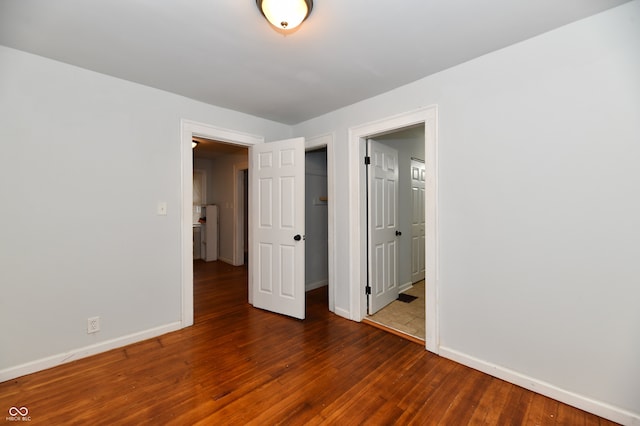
(162, 208)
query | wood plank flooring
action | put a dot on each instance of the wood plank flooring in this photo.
(239, 365)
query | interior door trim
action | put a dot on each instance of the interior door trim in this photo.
(357, 211)
(189, 129)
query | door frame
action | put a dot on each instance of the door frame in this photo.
(189, 129)
(358, 210)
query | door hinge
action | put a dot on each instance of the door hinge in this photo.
(367, 160)
(367, 289)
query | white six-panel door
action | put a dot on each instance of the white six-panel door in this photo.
(277, 254)
(383, 225)
(418, 172)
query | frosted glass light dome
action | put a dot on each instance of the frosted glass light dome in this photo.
(285, 14)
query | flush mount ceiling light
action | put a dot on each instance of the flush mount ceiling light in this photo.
(285, 14)
(194, 144)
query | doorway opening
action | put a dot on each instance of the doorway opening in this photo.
(316, 219)
(219, 213)
(241, 185)
(395, 232)
(189, 131)
(358, 247)
(320, 155)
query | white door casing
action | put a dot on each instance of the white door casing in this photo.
(383, 225)
(357, 252)
(417, 220)
(189, 129)
(277, 205)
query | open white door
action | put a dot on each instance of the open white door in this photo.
(277, 219)
(418, 172)
(383, 225)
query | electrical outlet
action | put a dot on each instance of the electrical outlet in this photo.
(93, 325)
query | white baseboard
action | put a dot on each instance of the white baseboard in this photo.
(226, 260)
(592, 406)
(317, 284)
(344, 313)
(73, 355)
(404, 287)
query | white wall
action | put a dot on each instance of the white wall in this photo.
(539, 145)
(84, 160)
(316, 220)
(409, 143)
(222, 178)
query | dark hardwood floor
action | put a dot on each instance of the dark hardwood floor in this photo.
(239, 365)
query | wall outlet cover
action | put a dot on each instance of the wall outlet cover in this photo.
(93, 325)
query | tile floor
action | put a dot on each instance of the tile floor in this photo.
(405, 317)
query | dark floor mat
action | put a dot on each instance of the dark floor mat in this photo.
(406, 298)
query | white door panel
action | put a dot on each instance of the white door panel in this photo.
(278, 226)
(383, 224)
(418, 173)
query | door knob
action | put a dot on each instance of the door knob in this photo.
(297, 237)
(398, 233)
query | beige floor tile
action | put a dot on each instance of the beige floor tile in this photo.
(405, 317)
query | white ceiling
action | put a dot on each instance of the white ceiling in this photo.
(224, 53)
